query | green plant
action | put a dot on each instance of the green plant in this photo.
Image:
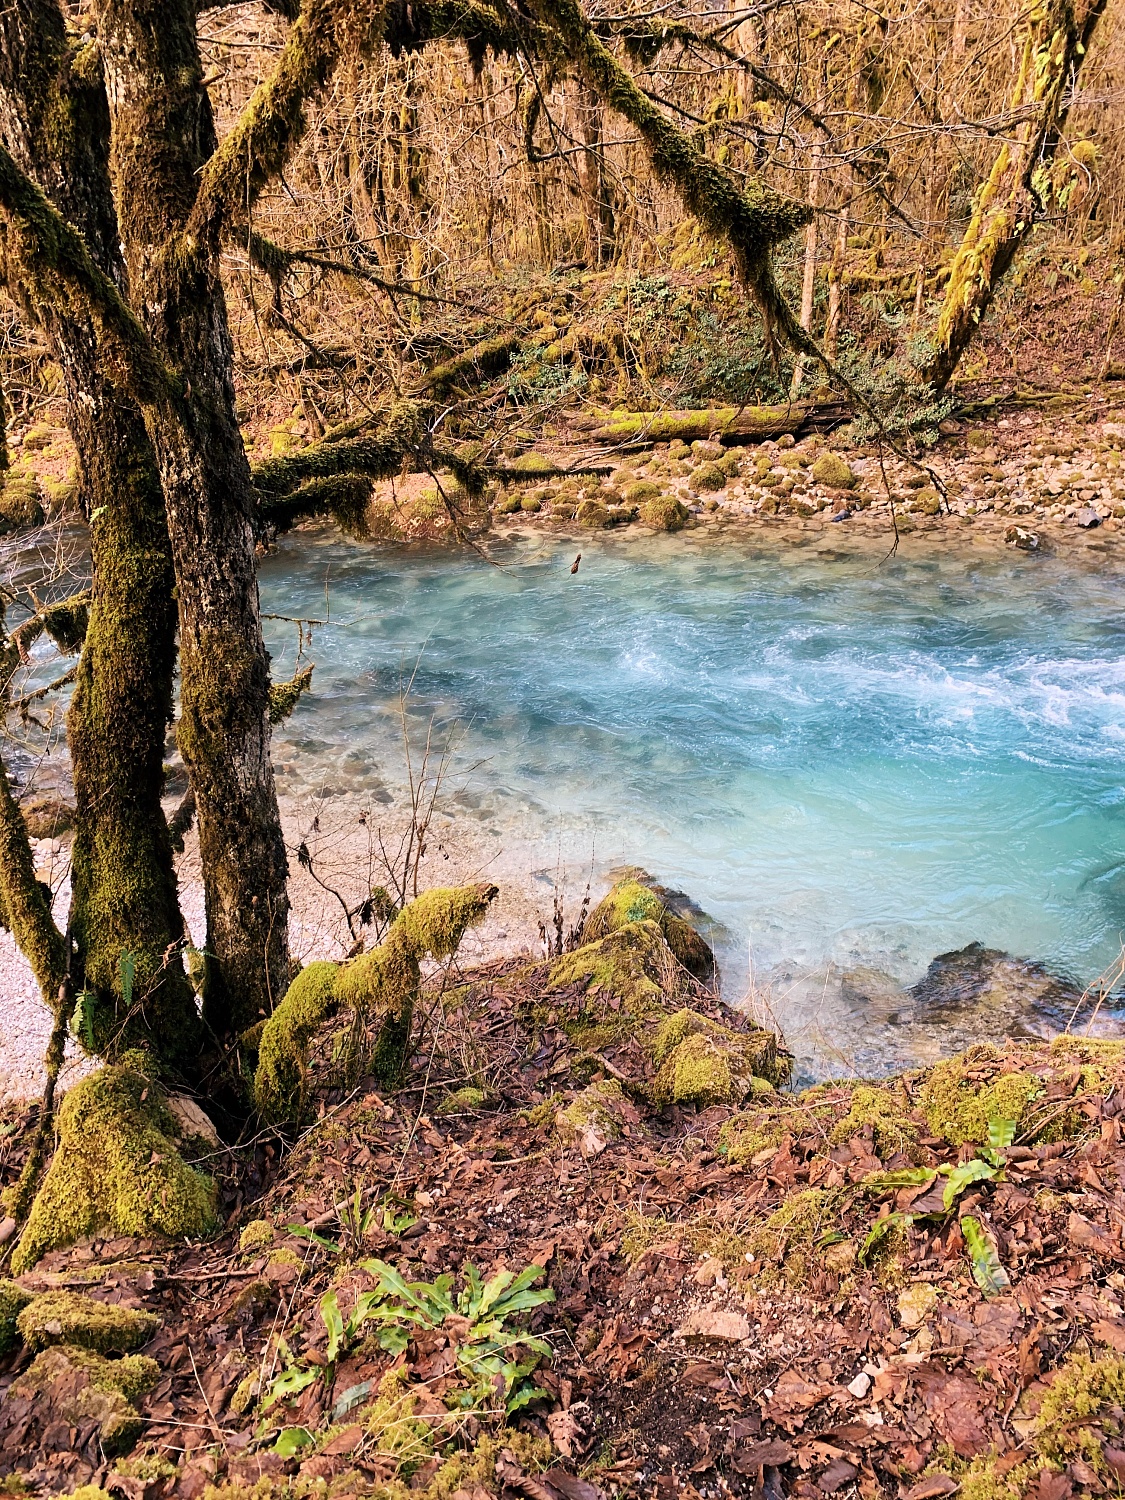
(475, 1319)
(986, 1166)
(356, 1223)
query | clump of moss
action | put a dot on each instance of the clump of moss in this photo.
(665, 513)
(641, 489)
(47, 817)
(62, 1317)
(630, 900)
(632, 964)
(745, 1135)
(701, 1061)
(81, 1387)
(787, 1241)
(707, 479)
(831, 470)
(893, 1132)
(13, 1300)
(960, 1096)
(593, 1119)
(282, 1052)
(21, 506)
(381, 985)
(255, 1236)
(592, 513)
(116, 1169)
(462, 1101)
(284, 696)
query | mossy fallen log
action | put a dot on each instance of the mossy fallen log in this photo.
(731, 424)
(488, 357)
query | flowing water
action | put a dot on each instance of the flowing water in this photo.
(848, 765)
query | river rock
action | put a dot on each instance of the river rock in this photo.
(987, 993)
(831, 470)
(1087, 517)
(1019, 536)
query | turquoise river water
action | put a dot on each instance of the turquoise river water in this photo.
(845, 762)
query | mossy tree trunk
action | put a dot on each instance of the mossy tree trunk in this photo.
(1020, 188)
(154, 80)
(53, 118)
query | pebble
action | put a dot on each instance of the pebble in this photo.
(860, 1386)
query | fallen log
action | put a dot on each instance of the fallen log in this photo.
(730, 424)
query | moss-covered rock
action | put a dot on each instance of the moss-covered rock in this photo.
(700, 1061)
(831, 470)
(707, 479)
(21, 504)
(256, 1236)
(665, 513)
(531, 504)
(633, 965)
(883, 1112)
(47, 817)
(77, 1386)
(593, 1119)
(960, 1096)
(378, 988)
(13, 1300)
(641, 490)
(116, 1169)
(64, 1317)
(632, 901)
(592, 513)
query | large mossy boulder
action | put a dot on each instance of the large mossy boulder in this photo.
(116, 1169)
(13, 1300)
(631, 900)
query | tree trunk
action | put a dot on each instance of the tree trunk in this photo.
(596, 185)
(154, 81)
(1018, 190)
(53, 119)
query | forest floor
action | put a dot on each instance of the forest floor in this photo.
(865, 1289)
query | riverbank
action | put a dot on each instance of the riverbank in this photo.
(908, 1290)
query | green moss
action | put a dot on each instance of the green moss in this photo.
(744, 1135)
(63, 1317)
(1082, 1407)
(463, 1101)
(115, 1170)
(532, 504)
(379, 986)
(255, 1236)
(306, 1005)
(533, 466)
(641, 489)
(21, 505)
(703, 1062)
(630, 900)
(592, 513)
(284, 696)
(958, 1098)
(13, 1300)
(508, 505)
(665, 513)
(787, 1241)
(831, 470)
(707, 479)
(81, 1386)
(892, 1129)
(593, 1118)
(631, 964)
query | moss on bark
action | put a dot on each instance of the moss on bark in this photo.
(380, 987)
(116, 1169)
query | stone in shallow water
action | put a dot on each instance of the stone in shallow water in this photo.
(1016, 996)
